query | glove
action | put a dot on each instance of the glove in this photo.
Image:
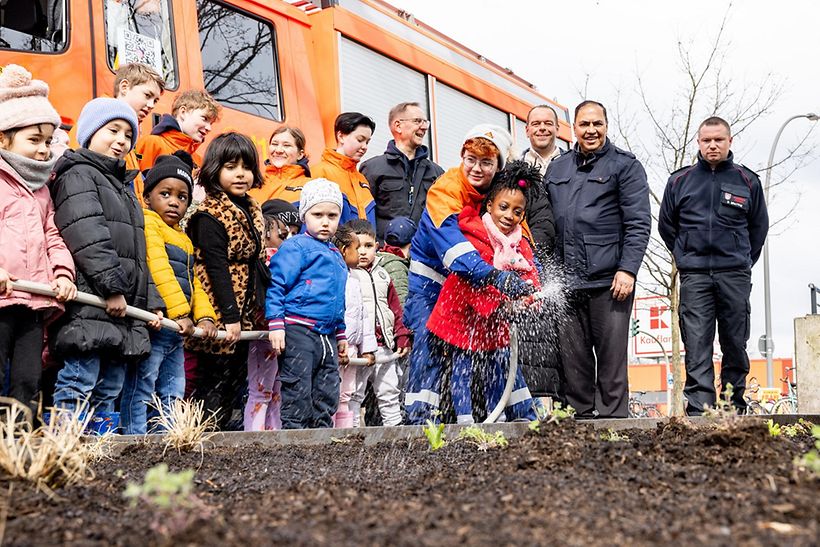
(510, 284)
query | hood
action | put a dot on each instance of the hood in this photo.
(166, 123)
(471, 224)
(393, 150)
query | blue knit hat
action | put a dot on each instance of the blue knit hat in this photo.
(100, 111)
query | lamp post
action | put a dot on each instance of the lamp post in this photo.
(766, 281)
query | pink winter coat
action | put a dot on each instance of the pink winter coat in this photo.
(30, 245)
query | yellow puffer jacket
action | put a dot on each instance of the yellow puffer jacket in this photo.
(171, 262)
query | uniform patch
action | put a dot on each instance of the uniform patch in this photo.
(732, 200)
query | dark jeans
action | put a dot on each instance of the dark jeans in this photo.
(219, 381)
(704, 299)
(594, 341)
(21, 345)
(309, 371)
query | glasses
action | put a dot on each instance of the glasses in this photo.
(484, 165)
(415, 121)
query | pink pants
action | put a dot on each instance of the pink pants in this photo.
(264, 389)
(347, 388)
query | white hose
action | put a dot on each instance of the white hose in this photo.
(142, 315)
(508, 388)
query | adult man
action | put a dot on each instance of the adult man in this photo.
(399, 178)
(714, 221)
(542, 127)
(601, 202)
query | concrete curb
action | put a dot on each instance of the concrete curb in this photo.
(375, 435)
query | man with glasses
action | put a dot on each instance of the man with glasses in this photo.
(600, 198)
(399, 178)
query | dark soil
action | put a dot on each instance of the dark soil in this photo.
(562, 486)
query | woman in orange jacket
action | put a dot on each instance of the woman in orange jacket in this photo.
(286, 169)
(353, 133)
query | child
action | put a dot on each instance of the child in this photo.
(185, 128)
(168, 188)
(286, 169)
(361, 334)
(103, 226)
(383, 310)
(353, 133)
(264, 386)
(140, 87)
(305, 306)
(468, 319)
(226, 231)
(395, 255)
(32, 247)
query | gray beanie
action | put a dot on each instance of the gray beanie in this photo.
(318, 191)
(100, 111)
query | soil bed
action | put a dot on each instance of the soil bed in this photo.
(564, 485)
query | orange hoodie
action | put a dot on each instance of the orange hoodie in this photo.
(342, 170)
(281, 183)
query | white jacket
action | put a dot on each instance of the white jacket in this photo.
(361, 334)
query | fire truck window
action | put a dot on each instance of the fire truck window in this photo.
(239, 61)
(141, 31)
(33, 25)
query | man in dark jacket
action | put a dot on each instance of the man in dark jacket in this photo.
(600, 198)
(714, 221)
(399, 178)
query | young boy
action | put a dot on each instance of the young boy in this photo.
(395, 255)
(140, 87)
(103, 227)
(305, 308)
(382, 308)
(167, 194)
(185, 128)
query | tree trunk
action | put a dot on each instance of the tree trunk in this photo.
(678, 373)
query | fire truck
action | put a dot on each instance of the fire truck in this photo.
(273, 62)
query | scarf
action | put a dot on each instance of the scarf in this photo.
(506, 255)
(35, 173)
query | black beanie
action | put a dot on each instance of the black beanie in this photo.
(282, 210)
(176, 166)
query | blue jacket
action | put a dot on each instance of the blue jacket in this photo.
(714, 219)
(602, 215)
(308, 279)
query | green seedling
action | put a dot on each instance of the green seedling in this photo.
(535, 425)
(483, 440)
(802, 427)
(435, 434)
(613, 436)
(162, 488)
(774, 429)
(811, 460)
(561, 413)
(723, 410)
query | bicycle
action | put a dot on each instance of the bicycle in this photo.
(753, 406)
(788, 403)
(638, 409)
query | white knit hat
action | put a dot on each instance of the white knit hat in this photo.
(23, 101)
(318, 191)
(499, 136)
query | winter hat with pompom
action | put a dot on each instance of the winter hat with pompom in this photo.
(318, 191)
(23, 101)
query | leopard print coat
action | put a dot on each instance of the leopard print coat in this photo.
(244, 249)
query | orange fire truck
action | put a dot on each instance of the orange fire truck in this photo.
(270, 62)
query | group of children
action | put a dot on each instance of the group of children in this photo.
(218, 246)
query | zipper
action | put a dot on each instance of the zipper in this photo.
(712, 215)
(377, 311)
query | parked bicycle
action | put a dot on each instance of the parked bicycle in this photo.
(639, 409)
(788, 403)
(753, 405)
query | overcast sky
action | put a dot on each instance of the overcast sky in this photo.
(556, 44)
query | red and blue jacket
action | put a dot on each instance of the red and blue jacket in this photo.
(308, 279)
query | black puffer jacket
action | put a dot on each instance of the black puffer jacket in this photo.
(103, 226)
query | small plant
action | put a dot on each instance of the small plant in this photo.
(774, 429)
(612, 436)
(185, 425)
(483, 440)
(53, 455)
(535, 426)
(811, 460)
(802, 427)
(723, 411)
(561, 413)
(435, 434)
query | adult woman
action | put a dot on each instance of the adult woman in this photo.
(286, 170)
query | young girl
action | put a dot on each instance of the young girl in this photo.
(361, 334)
(469, 319)
(102, 224)
(264, 385)
(286, 170)
(353, 133)
(226, 230)
(32, 247)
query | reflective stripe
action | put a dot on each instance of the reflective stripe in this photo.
(519, 396)
(424, 396)
(457, 250)
(426, 271)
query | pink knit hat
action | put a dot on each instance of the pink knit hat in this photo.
(23, 101)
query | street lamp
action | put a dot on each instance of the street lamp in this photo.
(766, 282)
